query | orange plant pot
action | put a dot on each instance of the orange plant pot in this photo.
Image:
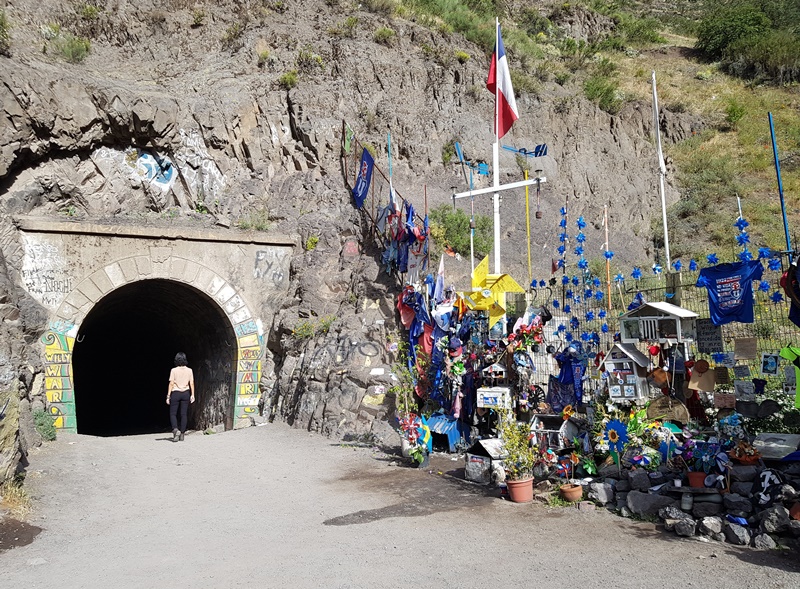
(571, 492)
(696, 479)
(520, 491)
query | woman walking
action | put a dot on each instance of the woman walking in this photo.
(179, 394)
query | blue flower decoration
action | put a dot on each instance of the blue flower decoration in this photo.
(562, 237)
(585, 336)
(712, 259)
(580, 238)
(542, 283)
(637, 273)
(616, 434)
(579, 250)
(745, 255)
(574, 323)
(763, 286)
(575, 281)
(595, 337)
(589, 315)
(701, 281)
(577, 299)
(743, 238)
(562, 223)
(657, 269)
(567, 309)
(596, 281)
(602, 314)
(561, 249)
(588, 293)
(556, 304)
(568, 337)
(608, 254)
(677, 264)
(598, 295)
(692, 265)
(560, 263)
(564, 279)
(741, 224)
(718, 357)
(776, 297)
(562, 327)
(563, 211)
(580, 222)
(583, 263)
(569, 294)
(619, 278)
(764, 252)
(774, 264)
(604, 328)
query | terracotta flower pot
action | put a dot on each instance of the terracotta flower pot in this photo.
(571, 492)
(696, 479)
(520, 491)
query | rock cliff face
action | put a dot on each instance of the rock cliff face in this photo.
(182, 114)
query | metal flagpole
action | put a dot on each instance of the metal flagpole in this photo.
(780, 188)
(496, 149)
(662, 171)
(608, 261)
(528, 223)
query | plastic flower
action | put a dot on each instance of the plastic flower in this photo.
(562, 249)
(776, 297)
(580, 222)
(637, 273)
(712, 259)
(567, 412)
(542, 283)
(568, 293)
(562, 223)
(579, 250)
(568, 337)
(692, 265)
(677, 264)
(743, 238)
(608, 254)
(583, 263)
(745, 255)
(657, 269)
(564, 279)
(575, 281)
(602, 314)
(563, 211)
(741, 224)
(619, 278)
(764, 252)
(577, 299)
(562, 327)
(560, 263)
(763, 286)
(588, 293)
(562, 237)
(580, 238)
(589, 315)
(774, 264)
(556, 304)
(599, 295)
(617, 435)
(585, 337)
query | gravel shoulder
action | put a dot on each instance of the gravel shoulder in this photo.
(273, 507)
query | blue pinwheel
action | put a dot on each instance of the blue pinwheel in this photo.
(564, 279)
(588, 293)
(542, 283)
(585, 336)
(569, 294)
(719, 357)
(602, 314)
(741, 224)
(619, 278)
(556, 304)
(604, 328)
(562, 237)
(637, 273)
(776, 297)
(560, 263)
(562, 223)
(598, 295)
(574, 323)
(575, 280)
(583, 263)
(580, 222)
(562, 327)
(657, 269)
(580, 238)
(608, 254)
(578, 250)
(596, 282)
(589, 315)
(764, 252)
(745, 255)
(743, 238)
(774, 264)
(692, 265)
(563, 211)
(763, 286)
(712, 259)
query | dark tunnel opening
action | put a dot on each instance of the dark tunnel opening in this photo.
(126, 347)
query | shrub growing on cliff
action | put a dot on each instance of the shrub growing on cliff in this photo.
(384, 36)
(44, 425)
(5, 38)
(451, 228)
(288, 80)
(73, 49)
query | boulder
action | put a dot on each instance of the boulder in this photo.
(657, 478)
(775, 519)
(794, 528)
(735, 502)
(744, 474)
(685, 527)
(710, 526)
(646, 504)
(672, 512)
(622, 500)
(764, 542)
(623, 486)
(788, 494)
(736, 534)
(702, 510)
(743, 489)
(640, 480)
(602, 493)
(719, 536)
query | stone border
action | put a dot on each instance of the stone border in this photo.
(60, 338)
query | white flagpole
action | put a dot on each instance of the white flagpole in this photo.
(496, 149)
(662, 171)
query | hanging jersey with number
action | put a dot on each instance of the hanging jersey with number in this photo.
(730, 290)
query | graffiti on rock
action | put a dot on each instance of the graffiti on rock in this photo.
(58, 383)
(138, 164)
(269, 263)
(44, 272)
(198, 168)
(342, 353)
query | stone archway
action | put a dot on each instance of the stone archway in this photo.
(160, 269)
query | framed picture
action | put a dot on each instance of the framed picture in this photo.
(630, 391)
(615, 391)
(770, 364)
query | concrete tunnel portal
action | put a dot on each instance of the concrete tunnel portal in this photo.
(125, 348)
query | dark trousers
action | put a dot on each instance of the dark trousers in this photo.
(179, 401)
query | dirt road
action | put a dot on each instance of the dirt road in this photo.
(275, 507)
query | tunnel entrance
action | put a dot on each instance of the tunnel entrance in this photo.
(126, 346)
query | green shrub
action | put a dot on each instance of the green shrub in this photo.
(257, 220)
(382, 7)
(311, 242)
(304, 330)
(263, 58)
(198, 17)
(726, 25)
(734, 112)
(462, 56)
(524, 84)
(89, 12)
(232, 34)
(605, 67)
(307, 61)
(288, 80)
(534, 23)
(448, 151)
(774, 56)
(451, 227)
(605, 92)
(345, 29)
(73, 49)
(5, 37)
(384, 36)
(43, 422)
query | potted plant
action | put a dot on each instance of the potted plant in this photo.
(520, 457)
(571, 491)
(744, 453)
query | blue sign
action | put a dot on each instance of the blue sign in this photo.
(364, 178)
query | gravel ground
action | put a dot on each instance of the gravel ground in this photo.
(276, 507)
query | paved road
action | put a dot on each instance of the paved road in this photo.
(275, 507)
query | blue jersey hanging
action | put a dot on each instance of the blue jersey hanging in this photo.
(730, 290)
(364, 178)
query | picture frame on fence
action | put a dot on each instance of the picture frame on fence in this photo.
(615, 390)
(770, 364)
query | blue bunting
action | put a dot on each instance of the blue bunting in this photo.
(763, 286)
(745, 255)
(677, 265)
(580, 238)
(692, 265)
(776, 297)
(589, 315)
(741, 224)
(608, 254)
(602, 314)
(637, 273)
(712, 259)
(619, 278)
(583, 263)
(764, 252)
(774, 264)
(556, 304)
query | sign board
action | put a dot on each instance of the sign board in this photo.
(494, 398)
(745, 348)
(724, 400)
(709, 337)
(745, 390)
(741, 371)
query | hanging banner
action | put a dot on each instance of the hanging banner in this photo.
(364, 178)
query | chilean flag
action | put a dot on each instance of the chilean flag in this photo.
(499, 83)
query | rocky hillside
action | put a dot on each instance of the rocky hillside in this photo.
(247, 100)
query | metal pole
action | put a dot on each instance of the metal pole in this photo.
(496, 152)
(662, 171)
(471, 231)
(780, 187)
(528, 223)
(608, 262)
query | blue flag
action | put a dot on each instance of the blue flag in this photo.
(364, 178)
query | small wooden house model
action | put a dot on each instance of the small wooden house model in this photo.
(627, 374)
(658, 322)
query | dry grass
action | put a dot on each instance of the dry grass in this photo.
(15, 498)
